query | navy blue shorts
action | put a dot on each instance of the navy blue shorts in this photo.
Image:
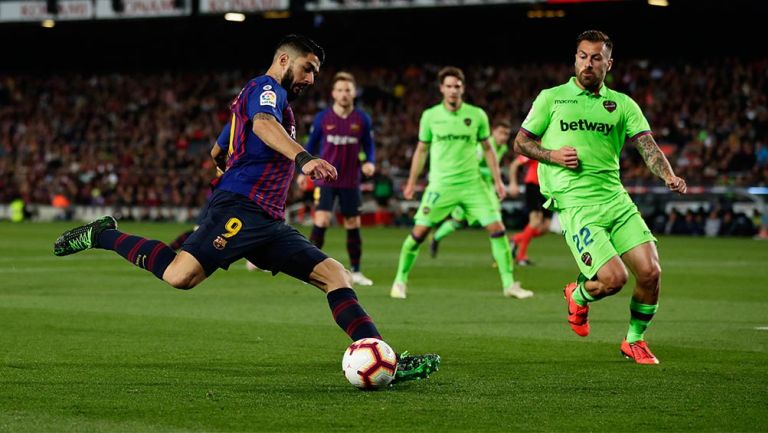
(350, 200)
(234, 227)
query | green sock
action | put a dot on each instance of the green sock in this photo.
(581, 296)
(503, 256)
(642, 314)
(408, 254)
(446, 228)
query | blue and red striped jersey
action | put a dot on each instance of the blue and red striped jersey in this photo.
(254, 169)
(339, 141)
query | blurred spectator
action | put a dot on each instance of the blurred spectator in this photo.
(387, 212)
(712, 225)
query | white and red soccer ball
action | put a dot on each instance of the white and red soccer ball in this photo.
(369, 363)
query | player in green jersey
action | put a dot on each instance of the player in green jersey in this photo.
(450, 132)
(582, 126)
(500, 135)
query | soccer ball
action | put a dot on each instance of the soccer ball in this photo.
(369, 363)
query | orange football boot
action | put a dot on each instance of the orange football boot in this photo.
(639, 352)
(577, 314)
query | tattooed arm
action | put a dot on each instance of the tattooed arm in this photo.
(565, 156)
(658, 163)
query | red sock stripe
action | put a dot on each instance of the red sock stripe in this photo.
(152, 255)
(356, 323)
(135, 250)
(343, 306)
(119, 240)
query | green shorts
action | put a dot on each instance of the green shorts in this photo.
(458, 213)
(597, 233)
(474, 199)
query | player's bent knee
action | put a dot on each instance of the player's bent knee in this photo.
(322, 219)
(614, 281)
(650, 276)
(495, 227)
(419, 233)
(184, 273)
(352, 222)
(332, 275)
(181, 281)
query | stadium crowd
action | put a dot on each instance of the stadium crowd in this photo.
(143, 138)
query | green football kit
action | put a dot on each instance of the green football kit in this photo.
(455, 180)
(598, 217)
(454, 175)
(458, 213)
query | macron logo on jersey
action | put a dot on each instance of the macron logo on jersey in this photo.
(586, 125)
(341, 140)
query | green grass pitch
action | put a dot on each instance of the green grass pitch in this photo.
(89, 343)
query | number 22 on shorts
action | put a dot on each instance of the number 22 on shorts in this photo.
(582, 237)
(232, 227)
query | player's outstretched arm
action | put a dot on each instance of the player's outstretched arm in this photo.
(417, 165)
(658, 164)
(565, 156)
(272, 133)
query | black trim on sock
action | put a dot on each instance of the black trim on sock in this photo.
(641, 316)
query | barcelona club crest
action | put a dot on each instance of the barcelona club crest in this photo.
(467, 121)
(609, 105)
(219, 243)
(587, 259)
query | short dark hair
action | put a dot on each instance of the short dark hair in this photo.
(450, 71)
(504, 123)
(302, 44)
(595, 36)
(343, 76)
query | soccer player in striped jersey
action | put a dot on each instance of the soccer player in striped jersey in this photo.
(341, 134)
(244, 216)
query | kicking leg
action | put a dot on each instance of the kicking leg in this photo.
(181, 271)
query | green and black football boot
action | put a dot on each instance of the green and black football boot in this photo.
(413, 367)
(83, 237)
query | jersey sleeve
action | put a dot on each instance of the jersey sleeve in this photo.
(223, 140)
(484, 127)
(315, 135)
(425, 129)
(537, 121)
(265, 98)
(368, 144)
(635, 122)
